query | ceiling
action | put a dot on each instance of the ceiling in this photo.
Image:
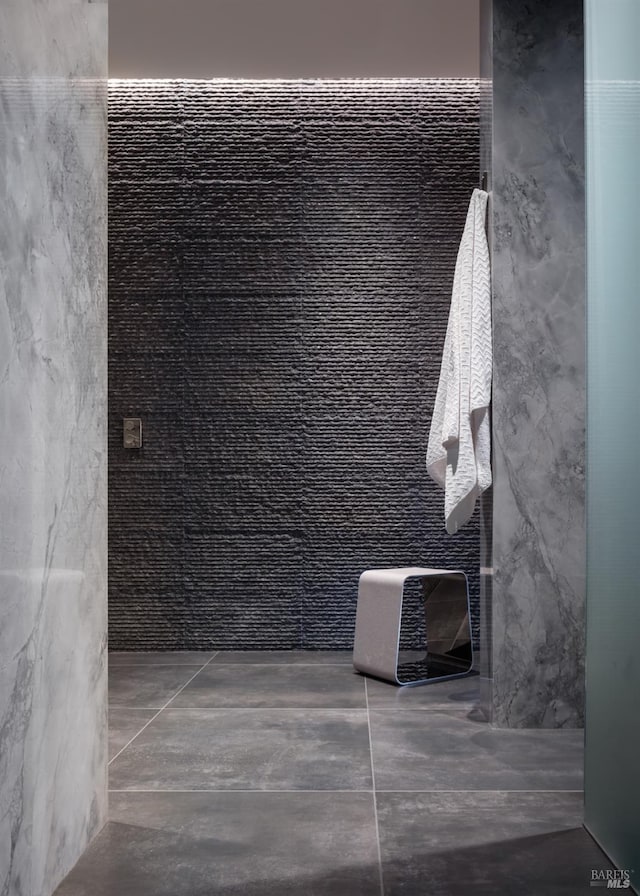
(293, 38)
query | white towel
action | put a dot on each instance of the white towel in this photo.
(458, 454)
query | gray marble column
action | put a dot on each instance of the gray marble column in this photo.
(536, 610)
(52, 438)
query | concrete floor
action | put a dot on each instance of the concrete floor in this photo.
(278, 774)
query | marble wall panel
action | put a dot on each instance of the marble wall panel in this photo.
(52, 438)
(538, 238)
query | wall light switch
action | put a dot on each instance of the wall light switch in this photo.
(132, 432)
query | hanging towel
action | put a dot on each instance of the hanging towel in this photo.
(458, 453)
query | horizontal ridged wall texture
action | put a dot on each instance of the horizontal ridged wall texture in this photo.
(281, 263)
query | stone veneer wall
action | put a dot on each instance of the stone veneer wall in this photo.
(53, 452)
(486, 499)
(281, 263)
(536, 612)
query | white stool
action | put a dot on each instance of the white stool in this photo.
(379, 617)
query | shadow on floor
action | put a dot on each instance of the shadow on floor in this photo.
(128, 860)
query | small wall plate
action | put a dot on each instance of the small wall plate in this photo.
(132, 432)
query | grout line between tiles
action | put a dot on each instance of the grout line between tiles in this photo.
(242, 708)
(292, 665)
(200, 668)
(444, 709)
(113, 665)
(281, 790)
(373, 793)
(422, 709)
(117, 665)
(227, 790)
(480, 790)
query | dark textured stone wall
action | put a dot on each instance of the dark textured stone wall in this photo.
(281, 262)
(486, 499)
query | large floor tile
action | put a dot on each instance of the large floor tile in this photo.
(147, 686)
(415, 750)
(457, 694)
(280, 657)
(223, 749)
(307, 687)
(512, 844)
(124, 723)
(160, 658)
(239, 844)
